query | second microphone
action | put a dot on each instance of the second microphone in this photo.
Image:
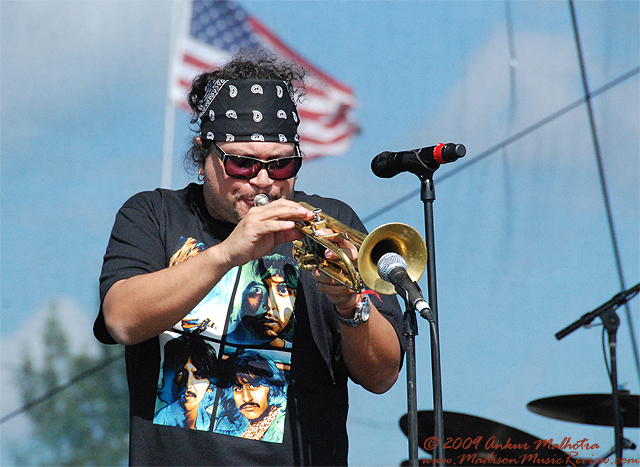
(389, 164)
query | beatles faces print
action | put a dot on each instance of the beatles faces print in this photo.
(226, 365)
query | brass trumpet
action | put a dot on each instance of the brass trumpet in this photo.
(388, 238)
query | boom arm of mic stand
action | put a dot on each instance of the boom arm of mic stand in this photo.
(614, 303)
(611, 321)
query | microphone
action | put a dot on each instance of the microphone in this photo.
(393, 268)
(389, 164)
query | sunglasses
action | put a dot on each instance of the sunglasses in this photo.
(245, 167)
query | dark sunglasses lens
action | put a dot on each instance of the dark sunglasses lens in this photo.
(241, 167)
(246, 168)
(284, 168)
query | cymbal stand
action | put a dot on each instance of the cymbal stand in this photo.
(626, 444)
(611, 322)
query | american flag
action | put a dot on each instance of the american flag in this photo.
(214, 30)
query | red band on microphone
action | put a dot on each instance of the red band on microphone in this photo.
(437, 153)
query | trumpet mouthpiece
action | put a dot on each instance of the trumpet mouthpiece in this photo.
(260, 200)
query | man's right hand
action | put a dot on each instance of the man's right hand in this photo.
(262, 228)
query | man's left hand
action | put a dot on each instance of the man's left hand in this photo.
(338, 294)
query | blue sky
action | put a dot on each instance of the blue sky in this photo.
(522, 241)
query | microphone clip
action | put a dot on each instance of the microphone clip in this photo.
(433, 157)
(418, 304)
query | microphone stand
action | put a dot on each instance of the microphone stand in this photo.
(428, 196)
(423, 163)
(410, 330)
(611, 321)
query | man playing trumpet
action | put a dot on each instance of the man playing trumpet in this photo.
(246, 144)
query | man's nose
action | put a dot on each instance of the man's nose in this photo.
(273, 309)
(191, 380)
(262, 179)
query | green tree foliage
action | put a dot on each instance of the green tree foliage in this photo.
(83, 419)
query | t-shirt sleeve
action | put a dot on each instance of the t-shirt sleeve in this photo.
(135, 247)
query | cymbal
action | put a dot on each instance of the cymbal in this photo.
(466, 435)
(589, 409)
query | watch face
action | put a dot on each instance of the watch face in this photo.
(362, 311)
(360, 316)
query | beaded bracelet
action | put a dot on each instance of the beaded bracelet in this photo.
(364, 292)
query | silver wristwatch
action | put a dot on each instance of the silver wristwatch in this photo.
(363, 308)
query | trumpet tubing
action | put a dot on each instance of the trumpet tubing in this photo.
(388, 238)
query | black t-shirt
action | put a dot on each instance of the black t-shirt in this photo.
(257, 364)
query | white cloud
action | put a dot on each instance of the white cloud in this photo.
(547, 79)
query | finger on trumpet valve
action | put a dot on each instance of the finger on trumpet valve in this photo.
(260, 200)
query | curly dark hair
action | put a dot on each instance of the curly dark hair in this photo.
(247, 64)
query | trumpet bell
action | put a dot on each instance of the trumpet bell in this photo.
(391, 238)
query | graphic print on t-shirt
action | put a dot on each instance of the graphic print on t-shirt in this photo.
(226, 365)
(263, 309)
(187, 382)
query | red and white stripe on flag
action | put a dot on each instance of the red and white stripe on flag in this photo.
(214, 30)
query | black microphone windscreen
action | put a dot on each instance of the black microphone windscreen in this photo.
(381, 165)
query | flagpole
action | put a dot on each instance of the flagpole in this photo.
(170, 108)
(167, 147)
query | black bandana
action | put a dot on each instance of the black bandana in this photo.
(249, 110)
